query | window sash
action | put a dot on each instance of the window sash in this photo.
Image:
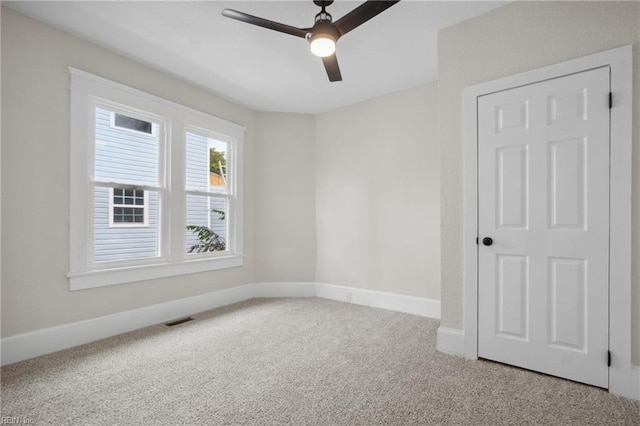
(159, 123)
(230, 168)
(228, 224)
(100, 254)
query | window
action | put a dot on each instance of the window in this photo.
(125, 122)
(127, 185)
(131, 220)
(207, 193)
(128, 207)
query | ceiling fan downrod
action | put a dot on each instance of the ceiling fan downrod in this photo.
(323, 15)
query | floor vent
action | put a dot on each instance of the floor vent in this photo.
(178, 321)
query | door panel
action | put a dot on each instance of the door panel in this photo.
(567, 293)
(512, 296)
(512, 180)
(567, 184)
(543, 197)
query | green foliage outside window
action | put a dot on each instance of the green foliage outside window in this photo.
(208, 240)
(216, 159)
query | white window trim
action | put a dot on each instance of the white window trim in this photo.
(144, 207)
(88, 89)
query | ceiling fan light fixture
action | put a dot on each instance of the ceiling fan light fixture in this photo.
(323, 45)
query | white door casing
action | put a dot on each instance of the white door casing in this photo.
(543, 198)
(619, 61)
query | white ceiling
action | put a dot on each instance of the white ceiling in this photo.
(259, 68)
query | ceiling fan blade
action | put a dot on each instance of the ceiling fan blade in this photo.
(362, 14)
(265, 23)
(331, 65)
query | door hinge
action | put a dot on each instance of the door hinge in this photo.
(610, 100)
(476, 240)
(608, 358)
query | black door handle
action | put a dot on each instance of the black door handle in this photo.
(487, 241)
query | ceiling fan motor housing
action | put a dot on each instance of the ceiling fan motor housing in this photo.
(323, 29)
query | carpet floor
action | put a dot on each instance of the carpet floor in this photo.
(292, 361)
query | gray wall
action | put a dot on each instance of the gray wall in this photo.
(351, 197)
(377, 194)
(519, 37)
(35, 145)
(284, 200)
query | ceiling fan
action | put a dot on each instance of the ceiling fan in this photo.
(324, 34)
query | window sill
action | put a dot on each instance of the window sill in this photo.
(106, 277)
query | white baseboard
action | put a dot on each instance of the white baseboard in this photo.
(271, 289)
(635, 382)
(48, 340)
(420, 306)
(450, 341)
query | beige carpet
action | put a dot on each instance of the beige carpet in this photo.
(293, 361)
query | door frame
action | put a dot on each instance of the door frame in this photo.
(620, 257)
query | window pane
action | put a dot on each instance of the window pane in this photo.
(128, 238)
(206, 224)
(122, 155)
(128, 215)
(133, 123)
(206, 163)
(131, 196)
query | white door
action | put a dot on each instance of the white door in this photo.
(543, 200)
